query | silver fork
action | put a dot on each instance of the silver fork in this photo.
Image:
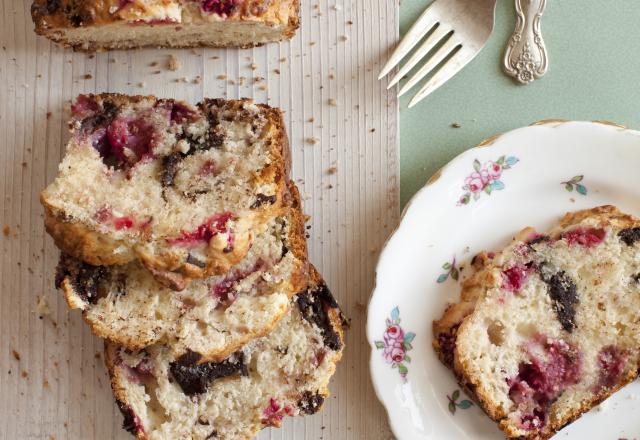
(462, 27)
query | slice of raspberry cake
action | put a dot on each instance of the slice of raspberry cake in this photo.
(212, 317)
(181, 188)
(283, 374)
(549, 327)
(124, 24)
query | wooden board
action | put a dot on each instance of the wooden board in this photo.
(343, 130)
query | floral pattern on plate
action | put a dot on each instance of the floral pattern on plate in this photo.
(574, 182)
(395, 344)
(454, 404)
(485, 178)
(451, 270)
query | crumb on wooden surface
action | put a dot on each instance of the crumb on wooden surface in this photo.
(48, 115)
(87, 76)
(43, 307)
(173, 63)
(15, 355)
(332, 170)
(253, 66)
(332, 102)
(24, 374)
(6, 230)
(456, 125)
(222, 77)
(312, 140)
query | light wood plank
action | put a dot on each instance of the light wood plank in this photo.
(349, 179)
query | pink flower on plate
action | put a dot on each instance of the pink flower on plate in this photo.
(395, 344)
(394, 352)
(477, 181)
(494, 170)
(393, 333)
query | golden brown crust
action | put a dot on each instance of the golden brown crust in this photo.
(53, 18)
(97, 248)
(453, 321)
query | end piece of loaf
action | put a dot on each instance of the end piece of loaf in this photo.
(548, 328)
(285, 373)
(212, 317)
(182, 189)
(126, 24)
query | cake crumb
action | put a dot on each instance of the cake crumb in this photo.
(24, 374)
(332, 102)
(332, 170)
(311, 119)
(173, 63)
(312, 140)
(197, 80)
(253, 66)
(456, 125)
(45, 384)
(87, 76)
(142, 84)
(48, 116)
(222, 77)
(16, 355)
(153, 64)
(344, 38)
(283, 60)
(43, 307)
(6, 230)
(276, 71)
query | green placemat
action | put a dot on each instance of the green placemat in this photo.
(594, 48)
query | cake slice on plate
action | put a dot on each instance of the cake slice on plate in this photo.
(126, 24)
(285, 373)
(549, 327)
(182, 189)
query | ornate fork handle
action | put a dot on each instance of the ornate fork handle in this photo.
(526, 55)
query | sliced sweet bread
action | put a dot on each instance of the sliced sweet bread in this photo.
(549, 327)
(212, 317)
(181, 188)
(125, 24)
(285, 373)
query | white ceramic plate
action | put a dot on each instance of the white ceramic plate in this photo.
(527, 177)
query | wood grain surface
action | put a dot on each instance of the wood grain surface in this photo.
(343, 130)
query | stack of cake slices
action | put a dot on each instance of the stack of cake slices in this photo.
(182, 242)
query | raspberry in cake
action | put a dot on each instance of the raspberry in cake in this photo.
(182, 189)
(212, 317)
(283, 374)
(126, 24)
(548, 328)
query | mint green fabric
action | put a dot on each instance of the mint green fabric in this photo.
(594, 50)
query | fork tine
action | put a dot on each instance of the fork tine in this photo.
(436, 59)
(423, 24)
(427, 46)
(450, 68)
